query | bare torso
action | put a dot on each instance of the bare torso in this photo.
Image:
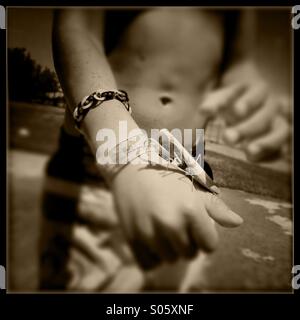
(167, 59)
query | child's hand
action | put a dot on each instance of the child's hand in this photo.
(164, 217)
(256, 117)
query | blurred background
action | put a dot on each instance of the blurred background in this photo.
(263, 190)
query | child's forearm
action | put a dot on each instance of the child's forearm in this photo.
(82, 68)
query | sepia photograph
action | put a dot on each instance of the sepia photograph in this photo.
(150, 150)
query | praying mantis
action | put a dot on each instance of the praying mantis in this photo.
(183, 158)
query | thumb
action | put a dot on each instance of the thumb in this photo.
(219, 211)
(221, 98)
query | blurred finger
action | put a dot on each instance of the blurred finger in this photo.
(256, 124)
(202, 229)
(156, 238)
(221, 98)
(183, 244)
(96, 206)
(250, 100)
(146, 258)
(219, 211)
(94, 203)
(174, 238)
(165, 244)
(141, 237)
(271, 142)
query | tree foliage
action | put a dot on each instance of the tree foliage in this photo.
(27, 80)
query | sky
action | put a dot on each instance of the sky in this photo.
(31, 28)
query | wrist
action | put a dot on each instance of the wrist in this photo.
(95, 100)
(111, 159)
(135, 152)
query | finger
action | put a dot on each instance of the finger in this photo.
(140, 235)
(96, 206)
(165, 245)
(221, 98)
(201, 229)
(219, 211)
(266, 145)
(257, 124)
(163, 248)
(180, 241)
(174, 238)
(250, 100)
(144, 257)
(155, 238)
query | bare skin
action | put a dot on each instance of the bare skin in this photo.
(155, 63)
(165, 71)
(167, 61)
